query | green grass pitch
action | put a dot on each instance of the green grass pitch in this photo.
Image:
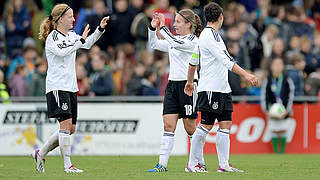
(268, 166)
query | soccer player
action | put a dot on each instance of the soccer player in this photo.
(61, 44)
(176, 103)
(214, 93)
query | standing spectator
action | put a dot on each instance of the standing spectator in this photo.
(27, 59)
(139, 28)
(248, 44)
(294, 70)
(17, 83)
(316, 45)
(17, 24)
(136, 7)
(3, 63)
(278, 48)
(294, 47)
(100, 9)
(134, 84)
(122, 23)
(311, 62)
(277, 88)
(2, 37)
(101, 83)
(267, 39)
(162, 6)
(37, 84)
(148, 84)
(312, 87)
(197, 7)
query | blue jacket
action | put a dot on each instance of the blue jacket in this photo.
(297, 79)
(101, 83)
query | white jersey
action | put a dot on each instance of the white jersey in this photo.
(61, 54)
(180, 50)
(214, 61)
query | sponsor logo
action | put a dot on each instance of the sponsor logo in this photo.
(28, 117)
(254, 129)
(107, 126)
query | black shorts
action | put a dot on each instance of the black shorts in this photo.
(177, 102)
(214, 105)
(62, 105)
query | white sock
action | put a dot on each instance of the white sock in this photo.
(223, 147)
(65, 147)
(201, 160)
(50, 145)
(166, 147)
(197, 144)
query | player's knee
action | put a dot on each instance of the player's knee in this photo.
(190, 129)
(207, 126)
(73, 129)
(66, 124)
(169, 127)
(225, 125)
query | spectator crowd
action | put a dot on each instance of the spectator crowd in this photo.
(122, 63)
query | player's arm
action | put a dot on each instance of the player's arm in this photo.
(185, 44)
(155, 43)
(59, 49)
(252, 79)
(224, 57)
(96, 35)
(194, 61)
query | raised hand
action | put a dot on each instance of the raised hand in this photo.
(155, 21)
(86, 32)
(103, 22)
(162, 19)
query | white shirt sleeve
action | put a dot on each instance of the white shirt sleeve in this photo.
(219, 51)
(184, 44)
(195, 56)
(90, 40)
(155, 43)
(60, 49)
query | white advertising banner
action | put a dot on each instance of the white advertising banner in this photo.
(102, 129)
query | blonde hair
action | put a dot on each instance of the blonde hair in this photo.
(50, 23)
(193, 19)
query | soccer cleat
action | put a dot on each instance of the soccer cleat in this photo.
(196, 168)
(38, 160)
(204, 167)
(72, 169)
(228, 169)
(158, 168)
